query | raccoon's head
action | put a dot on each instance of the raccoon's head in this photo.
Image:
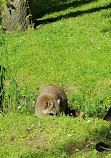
(52, 107)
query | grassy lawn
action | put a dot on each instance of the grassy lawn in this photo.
(26, 136)
(71, 48)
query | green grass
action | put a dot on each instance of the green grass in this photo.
(27, 136)
(71, 52)
(72, 49)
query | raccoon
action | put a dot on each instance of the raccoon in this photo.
(53, 100)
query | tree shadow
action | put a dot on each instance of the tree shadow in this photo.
(39, 9)
(71, 14)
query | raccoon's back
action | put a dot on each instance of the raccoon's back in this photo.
(54, 91)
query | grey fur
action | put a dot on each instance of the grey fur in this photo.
(51, 100)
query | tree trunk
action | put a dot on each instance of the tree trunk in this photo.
(14, 15)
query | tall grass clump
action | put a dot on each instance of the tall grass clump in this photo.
(12, 97)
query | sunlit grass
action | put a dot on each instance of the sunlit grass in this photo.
(25, 135)
(72, 52)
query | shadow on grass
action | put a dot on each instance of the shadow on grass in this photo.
(42, 7)
(71, 14)
(2, 78)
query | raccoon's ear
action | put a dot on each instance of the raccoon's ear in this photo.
(50, 103)
(58, 101)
